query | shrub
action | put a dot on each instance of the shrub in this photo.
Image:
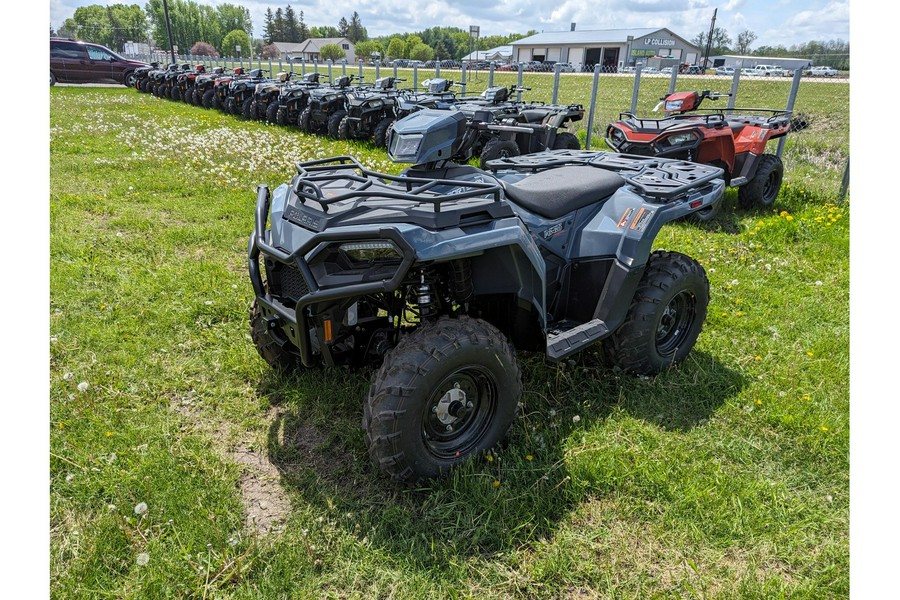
(270, 51)
(204, 49)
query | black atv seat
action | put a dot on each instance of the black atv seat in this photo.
(533, 115)
(557, 192)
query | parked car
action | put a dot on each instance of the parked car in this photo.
(728, 71)
(565, 67)
(821, 72)
(650, 71)
(72, 61)
(768, 70)
(666, 70)
(509, 67)
(691, 69)
(747, 71)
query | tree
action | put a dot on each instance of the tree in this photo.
(291, 27)
(396, 48)
(127, 23)
(421, 51)
(233, 39)
(270, 51)
(331, 52)
(324, 31)
(440, 50)
(233, 17)
(90, 23)
(368, 49)
(343, 27)
(269, 26)
(302, 29)
(745, 38)
(355, 31)
(191, 22)
(721, 41)
(204, 49)
(280, 27)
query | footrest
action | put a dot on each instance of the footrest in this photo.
(564, 342)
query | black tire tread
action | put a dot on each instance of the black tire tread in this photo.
(752, 193)
(268, 348)
(393, 388)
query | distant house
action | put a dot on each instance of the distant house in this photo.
(309, 50)
(498, 54)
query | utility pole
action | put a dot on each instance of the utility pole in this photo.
(169, 30)
(712, 27)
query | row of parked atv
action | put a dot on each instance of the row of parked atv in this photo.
(348, 109)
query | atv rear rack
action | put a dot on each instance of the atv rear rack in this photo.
(711, 117)
(330, 180)
(660, 178)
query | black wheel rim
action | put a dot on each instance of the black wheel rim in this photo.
(459, 412)
(675, 323)
(770, 189)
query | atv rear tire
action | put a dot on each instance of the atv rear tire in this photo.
(447, 392)
(334, 123)
(566, 141)
(382, 132)
(497, 148)
(765, 185)
(175, 94)
(269, 349)
(272, 113)
(665, 317)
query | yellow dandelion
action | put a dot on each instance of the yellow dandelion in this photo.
(806, 396)
(824, 429)
(759, 402)
(757, 357)
(809, 354)
(529, 457)
(724, 314)
(496, 483)
(489, 457)
(789, 218)
(61, 425)
(739, 313)
(109, 434)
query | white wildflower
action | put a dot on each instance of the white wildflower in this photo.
(140, 508)
(142, 559)
(83, 386)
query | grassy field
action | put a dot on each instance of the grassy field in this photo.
(182, 466)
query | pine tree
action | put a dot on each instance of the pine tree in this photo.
(291, 28)
(343, 27)
(302, 29)
(279, 26)
(356, 32)
(269, 27)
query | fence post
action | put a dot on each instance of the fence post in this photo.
(519, 83)
(437, 68)
(637, 86)
(792, 97)
(845, 182)
(735, 82)
(491, 76)
(462, 82)
(415, 77)
(343, 66)
(395, 72)
(556, 73)
(270, 67)
(377, 69)
(302, 66)
(590, 124)
(360, 72)
(673, 80)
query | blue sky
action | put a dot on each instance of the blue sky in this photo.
(774, 22)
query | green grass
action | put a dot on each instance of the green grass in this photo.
(727, 477)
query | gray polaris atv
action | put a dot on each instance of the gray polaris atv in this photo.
(437, 275)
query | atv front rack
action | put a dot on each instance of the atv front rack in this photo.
(711, 117)
(661, 178)
(331, 180)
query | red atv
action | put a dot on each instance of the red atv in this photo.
(727, 139)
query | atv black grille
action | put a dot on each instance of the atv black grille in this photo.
(287, 281)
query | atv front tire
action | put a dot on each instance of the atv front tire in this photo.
(765, 185)
(248, 109)
(269, 349)
(305, 120)
(346, 131)
(382, 132)
(334, 123)
(207, 99)
(566, 141)
(665, 317)
(281, 117)
(447, 392)
(497, 148)
(272, 113)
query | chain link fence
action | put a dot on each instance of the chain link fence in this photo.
(816, 153)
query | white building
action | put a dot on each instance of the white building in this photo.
(611, 48)
(309, 49)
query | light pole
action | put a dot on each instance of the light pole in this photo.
(169, 30)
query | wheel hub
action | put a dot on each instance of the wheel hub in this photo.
(450, 407)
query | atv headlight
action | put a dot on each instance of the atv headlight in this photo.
(406, 145)
(616, 136)
(686, 138)
(374, 104)
(674, 105)
(370, 251)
